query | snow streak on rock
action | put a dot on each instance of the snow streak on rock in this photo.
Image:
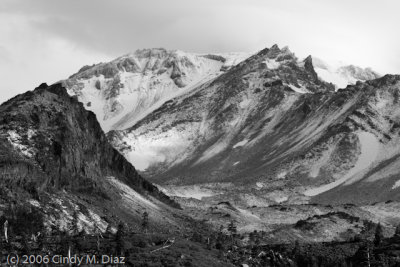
(369, 151)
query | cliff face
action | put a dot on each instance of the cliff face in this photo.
(51, 146)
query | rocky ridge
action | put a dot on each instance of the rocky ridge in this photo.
(126, 89)
(54, 156)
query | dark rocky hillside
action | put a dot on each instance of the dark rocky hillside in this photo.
(56, 160)
(49, 141)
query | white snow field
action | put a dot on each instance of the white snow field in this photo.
(341, 74)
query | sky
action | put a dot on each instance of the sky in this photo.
(48, 40)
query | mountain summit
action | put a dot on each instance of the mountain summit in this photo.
(127, 89)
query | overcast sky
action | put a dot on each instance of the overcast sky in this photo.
(48, 40)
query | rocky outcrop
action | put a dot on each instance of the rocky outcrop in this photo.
(308, 65)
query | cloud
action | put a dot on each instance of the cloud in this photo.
(51, 39)
(4, 54)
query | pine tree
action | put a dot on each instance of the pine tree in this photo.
(108, 233)
(397, 232)
(119, 238)
(364, 256)
(251, 239)
(74, 224)
(145, 221)
(232, 230)
(219, 243)
(296, 248)
(378, 235)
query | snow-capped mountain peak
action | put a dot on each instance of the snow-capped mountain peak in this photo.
(342, 74)
(124, 90)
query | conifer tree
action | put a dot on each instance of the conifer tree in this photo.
(74, 224)
(145, 221)
(397, 232)
(232, 229)
(119, 238)
(378, 235)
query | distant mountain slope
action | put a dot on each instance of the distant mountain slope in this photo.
(190, 133)
(272, 125)
(54, 156)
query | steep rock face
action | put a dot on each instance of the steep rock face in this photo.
(126, 89)
(50, 146)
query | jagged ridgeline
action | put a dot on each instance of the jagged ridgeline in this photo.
(54, 156)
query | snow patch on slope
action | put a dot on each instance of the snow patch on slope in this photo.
(301, 90)
(396, 184)
(146, 150)
(129, 194)
(245, 103)
(241, 143)
(369, 151)
(195, 191)
(16, 141)
(272, 64)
